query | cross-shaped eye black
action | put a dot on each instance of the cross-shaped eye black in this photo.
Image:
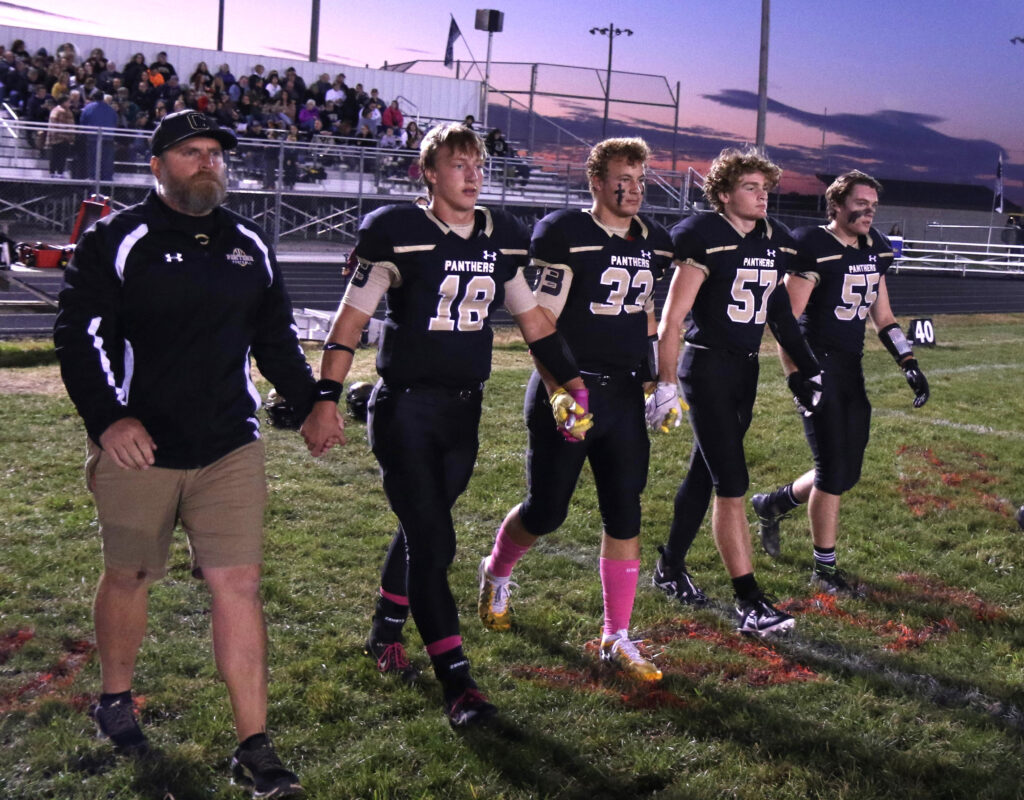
(619, 194)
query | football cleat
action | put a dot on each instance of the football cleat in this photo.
(760, 618)
(676, 582)
(767, 524)
(621, 652)
(469, 708)
(392, 659)
(492, 604)
(118, 723)
(832, 580)
(260, 770)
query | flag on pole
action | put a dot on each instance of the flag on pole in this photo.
(453, 34)
(998, 204)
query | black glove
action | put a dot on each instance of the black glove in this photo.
(918, 382)
(806, 391)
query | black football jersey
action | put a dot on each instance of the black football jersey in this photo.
(846, 285)
(604, 319)
(437, 329)
(744, 279)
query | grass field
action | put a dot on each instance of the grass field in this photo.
(914, 691)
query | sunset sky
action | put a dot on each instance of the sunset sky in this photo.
(913, 89)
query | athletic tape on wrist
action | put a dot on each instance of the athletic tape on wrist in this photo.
(895, 342)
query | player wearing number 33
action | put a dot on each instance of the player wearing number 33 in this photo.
(836, 282)
(730, 267)
(443, 266)
(598, 272)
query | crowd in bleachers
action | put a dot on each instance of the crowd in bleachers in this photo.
(67, 88)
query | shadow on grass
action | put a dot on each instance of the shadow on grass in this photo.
(13, 356)
(157, 776)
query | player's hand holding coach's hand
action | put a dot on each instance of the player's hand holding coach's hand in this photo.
(128, 442)
(323, 428)
(572, 416)
(664, 407)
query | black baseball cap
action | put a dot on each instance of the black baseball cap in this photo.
(188, 124)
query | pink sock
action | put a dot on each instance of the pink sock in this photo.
(618, 583)
(504, 555)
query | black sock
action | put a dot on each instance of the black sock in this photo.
(782, 500)
(745, 587)
(669, 561)
(388, 620)
(824, 558)
(452, 670)
(255, 742)
(116, 697)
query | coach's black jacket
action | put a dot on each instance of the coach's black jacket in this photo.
(157, 325)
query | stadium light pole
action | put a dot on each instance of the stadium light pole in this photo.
(611, 32)
(762, 77)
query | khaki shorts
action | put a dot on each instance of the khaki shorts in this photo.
(220, 507)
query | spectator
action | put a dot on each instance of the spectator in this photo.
(258, 71)
(351, 106)
(413, 135)
(337, 91)
(98, 60)
(170, 91)
(289, 113)
(469, 122)
(392, 116)
(59, 136)
(224, 73)
(201, 78)
(298, 90)
(376, 101)
(496, 144)
(144, 96)
(238, 88)
(308, 115)
(329, 116)
(162, 65)
(99, 113)
(134, 70)
(109, 79)
(370, 117)
(273, 86)
(318, 90)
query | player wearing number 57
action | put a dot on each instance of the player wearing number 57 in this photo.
(443, 267)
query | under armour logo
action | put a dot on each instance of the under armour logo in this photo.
(490, 255)
(872, 259)
(771, 254)
(645, 254)
(169, 257)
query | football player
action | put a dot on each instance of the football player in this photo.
(597, 281)
(836, 282)
(728, 269)
(443, 266)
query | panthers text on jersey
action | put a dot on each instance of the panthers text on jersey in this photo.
(437, 328)
(604, 317)
(743, 285)
(846, 284)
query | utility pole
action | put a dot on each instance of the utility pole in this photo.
(611, 32)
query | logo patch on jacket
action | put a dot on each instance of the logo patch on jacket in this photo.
(240, 258)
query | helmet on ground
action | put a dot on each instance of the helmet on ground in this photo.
(280, 413)
(358, 399)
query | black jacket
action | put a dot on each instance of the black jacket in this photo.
(155, 325)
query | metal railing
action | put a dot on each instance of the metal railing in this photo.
(960, 257)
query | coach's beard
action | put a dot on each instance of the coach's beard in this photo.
(196, 196)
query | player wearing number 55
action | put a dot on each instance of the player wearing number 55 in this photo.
(443, 266)
(837, 282)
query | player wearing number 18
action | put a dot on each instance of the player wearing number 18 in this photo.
(443, 266)
(837, 282)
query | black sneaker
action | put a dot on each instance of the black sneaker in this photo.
(392, 659)
(832, 580)
(117, 722)
(260, 770)
(469, 708)
(760, 618)
(677, 583)
(768, 524)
